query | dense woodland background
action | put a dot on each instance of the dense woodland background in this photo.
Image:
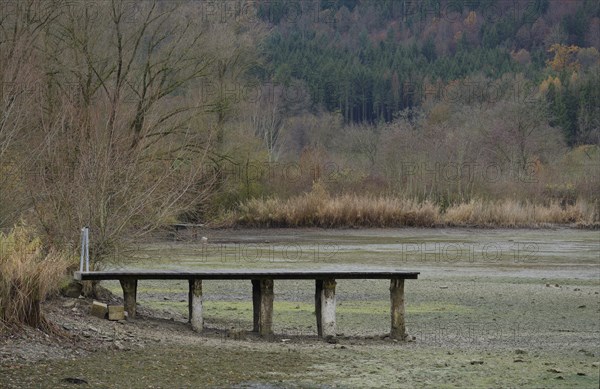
(129, 116)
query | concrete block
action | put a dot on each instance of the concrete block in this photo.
(116, 312)
(99, 309)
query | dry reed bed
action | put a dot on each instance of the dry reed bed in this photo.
(318, 209)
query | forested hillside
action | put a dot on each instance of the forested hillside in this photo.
(404, 96)
(369, 60)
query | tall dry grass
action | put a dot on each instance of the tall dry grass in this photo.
(27, 276)
(512, 213)
(318, 208)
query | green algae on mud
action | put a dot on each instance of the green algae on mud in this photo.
(162, 367)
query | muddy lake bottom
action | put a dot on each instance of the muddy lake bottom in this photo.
(491, 309)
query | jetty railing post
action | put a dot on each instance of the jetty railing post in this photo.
(82, 249)
(87, 249)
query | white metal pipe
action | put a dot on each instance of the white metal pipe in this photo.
(87, 249)
(82, 249)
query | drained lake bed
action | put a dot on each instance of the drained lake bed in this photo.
(491, 308)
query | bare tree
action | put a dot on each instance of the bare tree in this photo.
(517, 134)
(233, 49)
(365, 141)
(116, 141)
(22, 27)
(267, 119)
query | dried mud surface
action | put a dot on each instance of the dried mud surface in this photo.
(474, 322)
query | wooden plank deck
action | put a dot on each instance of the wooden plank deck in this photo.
(242, 274)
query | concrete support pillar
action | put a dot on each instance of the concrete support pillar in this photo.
(195, 305)
(262, 299)
(325, 307)
(255, 304)
(398, 330)
(129, 286)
